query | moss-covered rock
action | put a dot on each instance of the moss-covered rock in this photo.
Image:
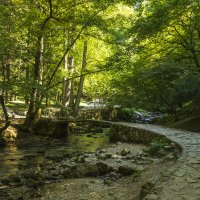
(126, 170)
(85, 170)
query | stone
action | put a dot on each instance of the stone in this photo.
(80, 159)
(107, 181)
(108, 155)
(67, 173)
(115, 156)
(85, 170)
(125, 152)
(126, 170)
(113, 176)
(103, 168)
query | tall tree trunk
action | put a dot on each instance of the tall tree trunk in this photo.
(7, 123)
(81, 82)
(7, 80)
(68, 96)
(35, 95)
(4, 77)
(64, 89)
(27, 79)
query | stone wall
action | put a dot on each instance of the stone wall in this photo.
(51, 128)
(129, 134)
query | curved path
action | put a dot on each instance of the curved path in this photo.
(182, 180)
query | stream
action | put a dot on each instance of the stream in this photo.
(49, 169)
(14, 158)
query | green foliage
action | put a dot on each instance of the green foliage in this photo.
(156, 146)
(162, 72)
(128, 110)
(146, 54)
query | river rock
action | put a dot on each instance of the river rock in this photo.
(108, 156)
(103, 168)
(126, 170)
(85, 170)
(66, 172)
(80, 159)
(125, 152)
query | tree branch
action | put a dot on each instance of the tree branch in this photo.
(80, 75)
(65, 53)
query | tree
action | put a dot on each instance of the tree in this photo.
(165, 54)
(7, 122)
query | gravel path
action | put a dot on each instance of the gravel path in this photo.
(182, 181)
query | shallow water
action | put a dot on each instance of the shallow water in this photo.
(13, 158)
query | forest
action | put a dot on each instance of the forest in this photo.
(142, 54)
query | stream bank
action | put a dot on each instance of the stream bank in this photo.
(87, 163)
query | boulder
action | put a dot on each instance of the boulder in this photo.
(125, 152)
(126, 170)
(85, 170)
(103, 168)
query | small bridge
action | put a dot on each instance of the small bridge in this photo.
(59, 128)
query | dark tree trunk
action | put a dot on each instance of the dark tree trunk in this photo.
(7, 122)
(35, 96)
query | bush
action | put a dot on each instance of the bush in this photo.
(156, 146)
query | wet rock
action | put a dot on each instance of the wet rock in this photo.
(102, 151)
(125, 152)
(89, 135)
(72, 166)
(67, 173)
(79, 159)
(108, 156)
(37, 176)
(103, 168)
(104, 156)
(85, 170)
(107, 181)
(126, 170)
(114, 176)
(115, 156)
